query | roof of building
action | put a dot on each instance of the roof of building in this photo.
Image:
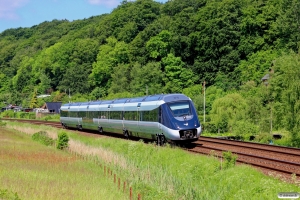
(52, 106)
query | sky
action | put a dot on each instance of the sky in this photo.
(27, 13)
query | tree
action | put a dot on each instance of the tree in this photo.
(76, 79)
(226, 111)
(217, 37)
(176, 76)
(146, 78)
(286, 85)
(159, 46)
(120, 79)
(33, 101)
(109, 56)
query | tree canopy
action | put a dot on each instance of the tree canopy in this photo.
(145, 47)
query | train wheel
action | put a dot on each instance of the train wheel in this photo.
(125, 132)
(158, 140)
(162, 140)
(64, 126)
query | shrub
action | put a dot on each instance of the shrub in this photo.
(63, 140)
(43, 138)
(2, 123)
(51, 117)
(5, 194)
(8, 113)
(242, 128)
(230, 159)
(265, 138)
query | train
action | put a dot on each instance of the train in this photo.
(164, 118)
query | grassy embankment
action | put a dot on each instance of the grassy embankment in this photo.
(154, 172)
(30, 170)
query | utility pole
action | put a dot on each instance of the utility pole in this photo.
(69, 95)
(204, 102)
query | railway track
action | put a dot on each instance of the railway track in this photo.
(269, 158)
(38, 122)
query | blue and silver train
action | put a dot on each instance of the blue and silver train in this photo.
(164, 118)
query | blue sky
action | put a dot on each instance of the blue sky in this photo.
(27, 13)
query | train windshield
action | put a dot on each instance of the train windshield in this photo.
(180, 109)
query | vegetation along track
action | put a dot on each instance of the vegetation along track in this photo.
(269, 158)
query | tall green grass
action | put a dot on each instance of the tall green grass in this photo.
(30, 170)
(171, 173)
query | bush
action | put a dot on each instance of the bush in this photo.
(230, 159)
(5, 194)
(8, 113)
(2, 124)
(265, 138)
(63, 140)
(242, 128)
(51, 117)
(43, 138)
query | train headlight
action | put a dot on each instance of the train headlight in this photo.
(195, 123)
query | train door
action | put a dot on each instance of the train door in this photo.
(160, 119)
(123, 125)
(78, 116)
(138, 115)
(108, 113)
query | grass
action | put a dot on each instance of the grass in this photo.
(154, 172)
(35, 171)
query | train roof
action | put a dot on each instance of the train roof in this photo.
(157, 97)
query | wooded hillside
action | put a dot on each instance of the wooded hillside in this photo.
(145, 47)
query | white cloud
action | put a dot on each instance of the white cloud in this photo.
(108, 3)
(8, 8)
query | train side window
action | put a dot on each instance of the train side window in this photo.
(64, 113)
(72, 114)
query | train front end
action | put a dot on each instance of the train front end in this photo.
(180, 121)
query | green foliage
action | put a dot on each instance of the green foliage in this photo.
(5, 194)
(256, 66)
(148, 77)
(243, 128)
(76, 79)
(43, 138)
(145, 47)
(120, 81)
(160, 176)
(176, 76)
(109, 56)
(25, 115)
(62, 141)
(2, 124)
(227, 110)
(51, 117)
(264, 137)
(229, 160)
(285, 88)
(8, 113)
(33, 101)
(159, 46)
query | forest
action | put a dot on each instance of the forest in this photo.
(214, 51)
